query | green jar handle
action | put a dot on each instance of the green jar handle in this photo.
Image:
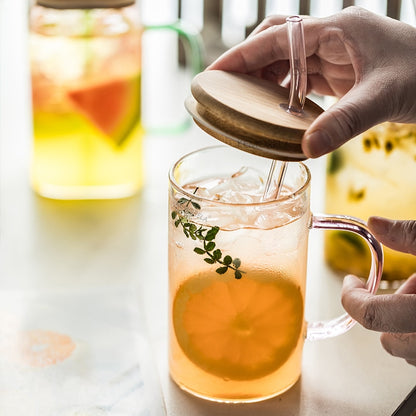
(194, 54)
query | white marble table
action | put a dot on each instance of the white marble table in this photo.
(100, 269)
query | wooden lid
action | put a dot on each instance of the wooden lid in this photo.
(84, 4)
(250, 114)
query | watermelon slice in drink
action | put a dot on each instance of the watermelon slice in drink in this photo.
(112, 106)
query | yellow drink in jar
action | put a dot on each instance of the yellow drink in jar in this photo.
(373, 174)
(86, 106)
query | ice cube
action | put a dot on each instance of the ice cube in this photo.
(242, 187)
(245, 187)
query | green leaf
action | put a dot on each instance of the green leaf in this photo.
(195, 232)
(182, 200)
(192, 227)
(174, 214)
(217, 254)
(237, 262)
(210, 246)
(209, 236)
(212, 233)
(195, 205)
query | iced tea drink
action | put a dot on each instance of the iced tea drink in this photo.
(373, 174)
(237, 276)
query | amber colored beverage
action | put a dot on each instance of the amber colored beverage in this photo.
(237, 276)
(237, 339)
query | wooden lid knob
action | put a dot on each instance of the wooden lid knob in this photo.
(249, 113)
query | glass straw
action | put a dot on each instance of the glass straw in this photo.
(298, 74)
(297, 94)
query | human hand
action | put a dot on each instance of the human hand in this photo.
(395, 314)
(365, 59)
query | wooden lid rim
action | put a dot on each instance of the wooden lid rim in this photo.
(84, 4)
(290, 152)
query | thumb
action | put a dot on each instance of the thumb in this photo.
(399, 235)
(409, 286)
(358, 110)
(384, 313)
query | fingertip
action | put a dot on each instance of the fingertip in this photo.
(217, 64)
(348, 294)
(385, 341)
(315, 144)
(352, 282)
(379, 225)
(409, 286)
(228, 61)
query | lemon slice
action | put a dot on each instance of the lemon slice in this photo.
(238, 329)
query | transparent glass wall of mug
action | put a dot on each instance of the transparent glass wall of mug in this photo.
(237, 275)
(373, 174)
(237, 272)
(86, 86)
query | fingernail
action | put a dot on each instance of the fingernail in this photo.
(316, 144)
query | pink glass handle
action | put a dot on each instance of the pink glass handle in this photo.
(341, 324)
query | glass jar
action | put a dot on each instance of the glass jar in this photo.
(373, 174)
(86, 71)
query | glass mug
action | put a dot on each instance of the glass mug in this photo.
(237, 275)
(86, 71)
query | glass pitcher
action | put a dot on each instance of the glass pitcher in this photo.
(86, 71)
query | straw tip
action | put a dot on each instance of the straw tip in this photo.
(294, 19)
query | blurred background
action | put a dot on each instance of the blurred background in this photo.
(224, 23)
